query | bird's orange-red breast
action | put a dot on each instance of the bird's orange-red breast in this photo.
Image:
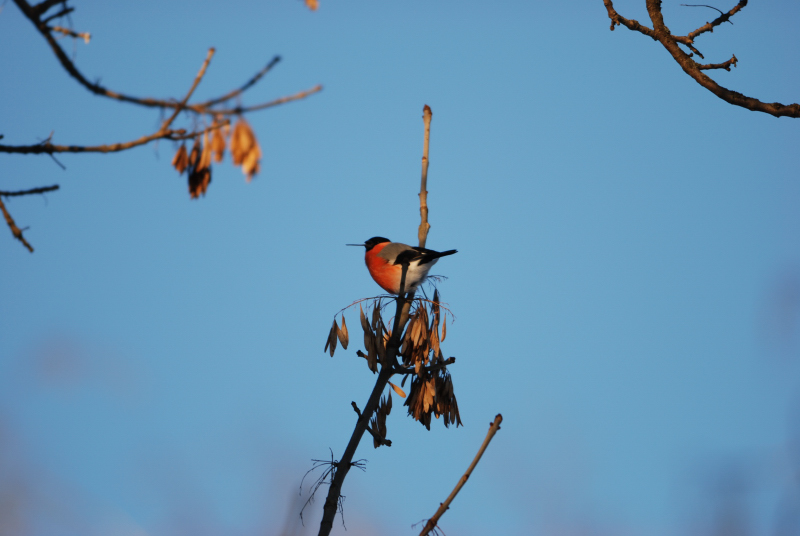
(385, 261)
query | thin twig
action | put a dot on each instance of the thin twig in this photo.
(65, 11)
(32, 191)
(197, 79)
(245, 109)
(430, 368)
(48, 148)
(431, 524)
(723, 17)
(206, 108)
(16, 231)
(617, 19)
(424, 226)
(86, 36)
(236, 92)
(724, 65)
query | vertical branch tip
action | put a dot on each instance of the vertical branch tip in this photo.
(424, 226)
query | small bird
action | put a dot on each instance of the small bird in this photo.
(385, 260)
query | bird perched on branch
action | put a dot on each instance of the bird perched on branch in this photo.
(385, 261)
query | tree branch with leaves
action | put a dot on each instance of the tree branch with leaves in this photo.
(411, 349)
(209, 120)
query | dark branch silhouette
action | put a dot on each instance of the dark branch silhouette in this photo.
(659, 32)
(216, 111)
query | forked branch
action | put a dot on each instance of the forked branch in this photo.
(661, 33)
(35, 13)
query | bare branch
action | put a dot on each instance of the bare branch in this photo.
(431, 524)
(661, 33)
(617, 19)
(32, 191)
(244, 109)
(245, 86)
(86, 36)
(16, 231)
(197, 79)
(424, 226)
(724, 65)
(42, 7)
(63, 12)
(203, 108)
(723, 17)
(48, 148)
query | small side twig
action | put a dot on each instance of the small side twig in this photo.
(86, 36)
(431, 524)
(32, 191)
(724, 65)
(197, 79)
(402, 370)
(16, 231)
(723, 17)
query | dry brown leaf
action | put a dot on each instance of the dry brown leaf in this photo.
(251, 166)
(205, 155)
(397, 390)
(181, 159)
(332, 338)
(194, 155)
(218, 145)
(342, 334)
(376, 316)
(363, 319)
(434, 340)
(444, 327)
(380, 346)
(199, 180)
(244, 149)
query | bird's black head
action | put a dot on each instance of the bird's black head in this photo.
(374, 241)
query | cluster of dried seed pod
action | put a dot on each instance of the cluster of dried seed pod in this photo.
(376, 336)
(339, 334)
(378, 422)
(420, 346)
(432, 394)
(431, 391)
(244, 147)
(245, 150)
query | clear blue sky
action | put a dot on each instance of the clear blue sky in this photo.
(625, 288)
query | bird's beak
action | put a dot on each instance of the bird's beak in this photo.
(355, 244)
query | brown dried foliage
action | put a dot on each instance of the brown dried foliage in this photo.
(245, 150)
(199, 168)
(431, 392)
(378, 422)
